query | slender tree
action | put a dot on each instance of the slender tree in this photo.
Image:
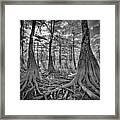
(60, 52)
(21, 40)
(74, 53)
(50, 62)
(38, 53)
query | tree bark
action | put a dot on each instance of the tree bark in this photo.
(74, 54)
(31, 59)
(21, 41)
(32, 75)
(37, 53)
(88, 71)
(50, 63)
(70, 57)
(60, 52)
(71, 53)
(21, 36)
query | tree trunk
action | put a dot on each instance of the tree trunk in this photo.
(70, 54)
(74, 54)
(21, 41)
(31, 58)
(88, 71)
(60, 52)
(21, 36)
(50, 62)
(37, 53)
(43, 67)
(32, 75)
(34, 47)
(88, 68)
(66, 63)
(86, 55)
(54, 57)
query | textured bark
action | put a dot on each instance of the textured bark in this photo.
(71, 58)
(21, 42)
(70, 53)
(74, 54)
(54, 57)
(50, 63)
(32, 74)
(21, 36)
(66, 63)
(88, 71)
(60, 53)
(37, 53)
(31, 59)
(41, 59)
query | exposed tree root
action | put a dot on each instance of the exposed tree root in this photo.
(27, 92)
(90, 93)
(31, 78)
(72, 75)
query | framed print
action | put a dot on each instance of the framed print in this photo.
(59, 60)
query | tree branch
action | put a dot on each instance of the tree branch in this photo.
(41, 37)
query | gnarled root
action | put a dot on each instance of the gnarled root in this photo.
(31, 78)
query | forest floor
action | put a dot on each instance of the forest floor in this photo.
(50, 87)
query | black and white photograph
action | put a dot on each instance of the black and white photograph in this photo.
(59, 59)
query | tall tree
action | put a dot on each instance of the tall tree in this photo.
(74, 51)
(38, 53)
(21, 40)
(88, 71)
(32, 74)
(87, 59)
(60, 52)
(31, 58)
(50, 62)
(72, 30)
